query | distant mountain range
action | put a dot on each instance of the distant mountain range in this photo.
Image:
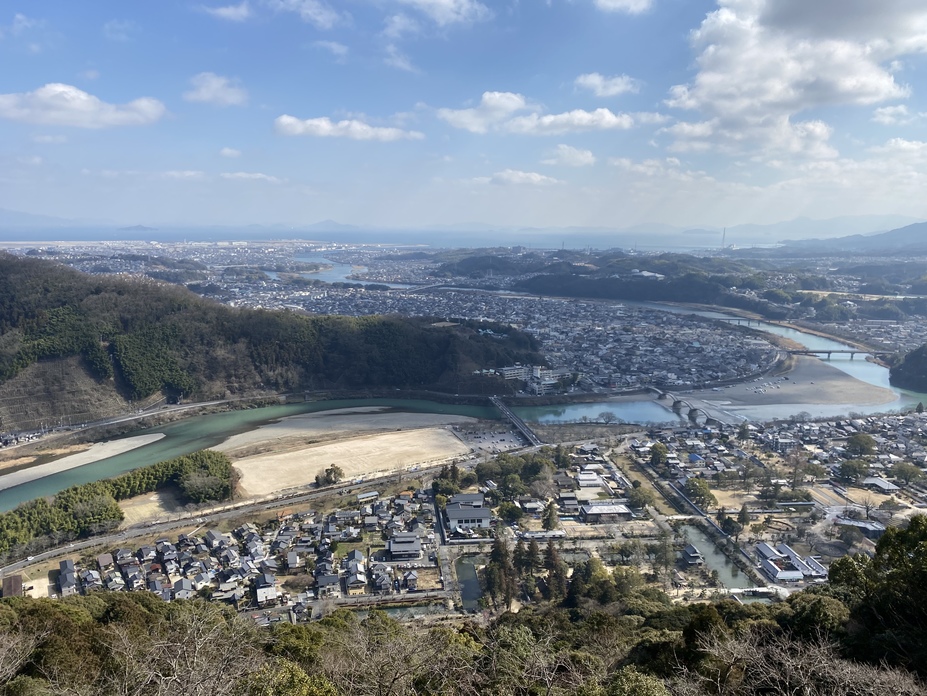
(649, 236)
(911, 239)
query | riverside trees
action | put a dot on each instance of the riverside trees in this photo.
(92, 508)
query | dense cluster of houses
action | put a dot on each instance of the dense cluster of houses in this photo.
(706, 452)
(241, 567)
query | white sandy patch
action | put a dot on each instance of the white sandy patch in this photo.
(342, 421)
(359, 456)
(97, 451)
(812, 381)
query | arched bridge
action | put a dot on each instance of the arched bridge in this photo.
(681, 406)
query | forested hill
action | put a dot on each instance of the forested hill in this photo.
(145, 337)
(911, 372)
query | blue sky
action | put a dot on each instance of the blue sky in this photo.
(407, 113)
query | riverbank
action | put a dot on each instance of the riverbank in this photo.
(809, 380)
(95, 453)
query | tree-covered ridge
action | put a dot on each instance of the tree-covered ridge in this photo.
(609, 635)
(93, 508)
(911, 372)
(153, 337)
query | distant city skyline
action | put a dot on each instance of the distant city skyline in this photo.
(518, 113)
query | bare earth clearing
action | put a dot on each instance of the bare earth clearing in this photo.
(362, 441)
(149, 506)
(307, 429)
(366, 455)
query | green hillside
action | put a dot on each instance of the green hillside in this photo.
(911, 372)
(145, 337)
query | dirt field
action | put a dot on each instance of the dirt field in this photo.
(312, 428)
(150, 506)
(366, 455)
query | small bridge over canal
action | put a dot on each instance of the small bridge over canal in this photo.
(519, 424)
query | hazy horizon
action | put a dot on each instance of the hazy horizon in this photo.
(416, 114)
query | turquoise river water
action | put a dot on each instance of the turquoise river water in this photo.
(202, 432)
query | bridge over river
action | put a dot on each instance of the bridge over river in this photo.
(692, 411)
(828, 352)
(522, 427)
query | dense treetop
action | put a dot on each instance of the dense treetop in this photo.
(607, 635)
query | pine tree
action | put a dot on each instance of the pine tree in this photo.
(520, 558)
(534, 555)
(501, 572)
(550, 520)
(743, 517)
(556, 572)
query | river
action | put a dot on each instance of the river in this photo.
(648, 412)
(339, 272)
(202, 432)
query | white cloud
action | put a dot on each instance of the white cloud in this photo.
(649, 117)
(119, 30)
(603, 86)
(516, 177)
(339, 50)
(89, 74)
(894, 115)
(230, 13)
(20, 24)
(494, 108)
(763, 62)
(209, 88)
(251, 176)
(571, 157)
(901, 149)
(21, 28)
(49, 139)
(230, 152)
(667, 168)
(575, 121)
(399, 25)
(352, 129)
(445, 12)
(397, 59)
(314, 12)
(628, 6)
(58, 104)
(184, 175)
(496, 112)
(30, 160)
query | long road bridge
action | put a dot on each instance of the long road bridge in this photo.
(522, 427)
(828, 352)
